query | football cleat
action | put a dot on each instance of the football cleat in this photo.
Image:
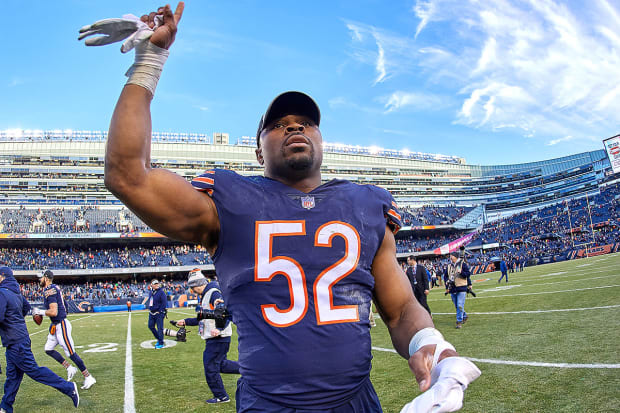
(160, 346)
(216, 400)
(71, 372)
(75, 396)
(88, 382)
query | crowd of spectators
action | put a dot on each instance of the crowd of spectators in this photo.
(432, 215)
(96, 292)
(92, 258)
(69, 220)
(98, 220)
(552, 230)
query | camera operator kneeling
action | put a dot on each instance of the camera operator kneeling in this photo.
(215, 328)
(458, 284)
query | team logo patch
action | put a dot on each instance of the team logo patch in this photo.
(307, 202)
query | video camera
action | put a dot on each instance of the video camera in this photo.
(180, 334)
(220, 314)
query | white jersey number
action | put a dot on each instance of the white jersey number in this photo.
(267, 266)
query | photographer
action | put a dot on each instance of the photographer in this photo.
(217, 340)
(458, 284)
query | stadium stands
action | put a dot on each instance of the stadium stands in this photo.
(55, 211)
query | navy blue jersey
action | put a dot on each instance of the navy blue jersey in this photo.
(294, 268)
(53, 294)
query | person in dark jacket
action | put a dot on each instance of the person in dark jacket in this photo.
(458, 283)
(418, 278)
(15, 337)
(157, 312)
(217, 340)
(504, 270)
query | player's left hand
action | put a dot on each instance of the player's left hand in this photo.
(421, 363)
(449, 380)
(215, 332)
(164, 24)
(38, 311)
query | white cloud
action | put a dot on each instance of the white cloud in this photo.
(388, 53)
(560, 140)
(549, 68)
(340, 102)
(380, 65)
(418, 101)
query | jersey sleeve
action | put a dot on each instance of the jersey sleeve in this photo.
(205, 182)
(51, 296)
(390, 209)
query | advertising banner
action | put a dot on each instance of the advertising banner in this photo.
(455, 245)
(612, 147)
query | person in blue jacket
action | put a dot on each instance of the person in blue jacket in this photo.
(157, 312)
(504, 269)
(15, 337)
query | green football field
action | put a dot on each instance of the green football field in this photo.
(548, 341)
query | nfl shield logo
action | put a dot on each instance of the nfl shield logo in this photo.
(307, 202)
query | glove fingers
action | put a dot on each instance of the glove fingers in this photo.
(107, 39)
(88, 33)
(444, 396)
(115, 24)
(136, 38)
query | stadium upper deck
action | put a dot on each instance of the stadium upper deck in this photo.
(66, 168)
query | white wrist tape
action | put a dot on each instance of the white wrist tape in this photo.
(147, 67)
(428, 336)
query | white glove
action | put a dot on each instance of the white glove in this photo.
(114, 30)
(38, 311)
(449, 379)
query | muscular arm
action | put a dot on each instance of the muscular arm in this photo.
(162, 199)
(52, 311)
(402, 313)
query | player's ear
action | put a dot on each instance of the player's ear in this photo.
(259, 156)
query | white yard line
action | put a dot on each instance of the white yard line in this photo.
(534, 311)
(129, 396)
(528, 363)
(540, 292)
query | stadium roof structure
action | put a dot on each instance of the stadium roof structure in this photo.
(17, 135)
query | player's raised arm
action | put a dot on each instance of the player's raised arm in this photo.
(162, 199)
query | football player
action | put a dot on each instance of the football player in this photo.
(60, 329)
(299, 259)
(19, 358)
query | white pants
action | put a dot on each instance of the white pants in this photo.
(60, 333)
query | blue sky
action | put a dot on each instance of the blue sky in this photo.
(493, 81)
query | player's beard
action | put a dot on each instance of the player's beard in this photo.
(299, 161)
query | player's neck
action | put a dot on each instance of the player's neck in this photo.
(301, 183)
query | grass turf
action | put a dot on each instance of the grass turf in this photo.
(172, 379)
